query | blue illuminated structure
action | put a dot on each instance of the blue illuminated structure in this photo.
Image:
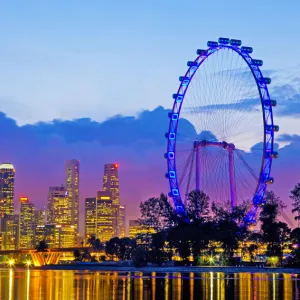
(268, 152)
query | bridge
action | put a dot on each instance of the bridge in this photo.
(46, 257)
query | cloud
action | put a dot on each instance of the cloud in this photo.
(138, 144)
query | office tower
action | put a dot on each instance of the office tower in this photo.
(9, 226)
(90, 218)
(56, 236)
(111, 184)
(58, 211)
(72, 187)
(105, 217)
(39, 217)
(27, 224)
(99, 217)
(136, 228)
(7, 184)
(122, 221)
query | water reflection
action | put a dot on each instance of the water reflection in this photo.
(88, 285)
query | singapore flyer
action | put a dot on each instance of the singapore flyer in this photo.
(221, 129)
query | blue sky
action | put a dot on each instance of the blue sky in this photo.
(96, 59)
(72, 59)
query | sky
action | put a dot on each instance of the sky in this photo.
(84, 62)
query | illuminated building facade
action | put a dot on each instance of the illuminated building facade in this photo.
(72, 187)
(122, 222)
(135, 229)
(58, 212)
(40, 217)
(104, 216)
(27, 223)
(90, 218)
(99, 217)
(7, 185)
(10, 226)
(111, 184)
(56, 236)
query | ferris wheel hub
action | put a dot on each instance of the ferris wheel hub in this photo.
(205, 143)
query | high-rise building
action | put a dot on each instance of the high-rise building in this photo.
(122, 222)
(10, 231)
(39, 217)
(7, 185)
(56, 236)
(136, 228)
(105, 217)
(111, 184)
(99, 217)
(27, 223)
(58, 211)
(90, 218)
(72, 187)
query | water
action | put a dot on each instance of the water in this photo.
(90, 285)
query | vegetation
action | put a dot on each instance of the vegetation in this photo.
(215, 234)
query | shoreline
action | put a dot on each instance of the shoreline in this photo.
(184, 269)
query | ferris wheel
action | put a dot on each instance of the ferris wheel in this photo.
(221, 130)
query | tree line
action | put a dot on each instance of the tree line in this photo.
(215, 233)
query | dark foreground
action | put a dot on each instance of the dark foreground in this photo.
(36, 284)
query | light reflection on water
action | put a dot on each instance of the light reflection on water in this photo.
(91, 285)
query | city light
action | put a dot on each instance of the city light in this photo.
(28, 263)
(116, 165)
(11, 262)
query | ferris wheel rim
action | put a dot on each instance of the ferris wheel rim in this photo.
(268, 125)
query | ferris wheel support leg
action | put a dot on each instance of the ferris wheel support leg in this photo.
(197, 168)
(232, 178)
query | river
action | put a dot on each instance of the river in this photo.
(33, 284)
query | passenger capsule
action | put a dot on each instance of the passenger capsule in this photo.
(257, 62)
(235, 43)
(272, 128)
(270, 102)
(224, 40)
(247, 49)
(212, 44)
(274, 154)
(183, 78)
(192, 63)
(200, 51)
(266, 80)
(269, 180)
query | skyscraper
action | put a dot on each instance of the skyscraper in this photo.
(90, 217)
(58, 211)
(122, 221)
(27, 223)
(72, 187)
(105, 216)
(99, 217)
(111, 184)
(7, 185)
(39, 217)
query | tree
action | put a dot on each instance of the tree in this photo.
(126, 249)
(157, 213)
(77, 255)
(274, 233)
(229, 229)
(295, 196)
(197, 206)
(112, 247)
(120, 248)
(91, 241)
(42, 246)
